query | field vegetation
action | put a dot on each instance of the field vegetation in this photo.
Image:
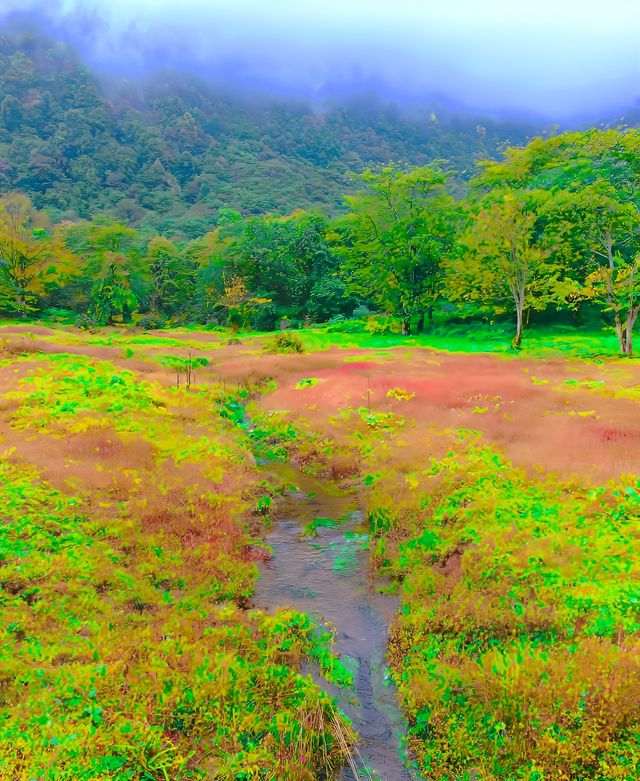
(127, 564)
(500, 502)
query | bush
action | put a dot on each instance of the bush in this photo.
(151, 321)
(64, 316)
(285, 342)
(264, 318)
(380, 324)
(361, 312)
(85, 322)
(343, 326)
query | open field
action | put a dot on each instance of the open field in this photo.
(127, 556)
(501, 497)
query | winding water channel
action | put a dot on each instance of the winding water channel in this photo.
(327, 576)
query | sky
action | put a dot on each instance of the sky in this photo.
(556, 58)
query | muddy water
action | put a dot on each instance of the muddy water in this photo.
(327, 576)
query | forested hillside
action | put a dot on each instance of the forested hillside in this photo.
(171, 151)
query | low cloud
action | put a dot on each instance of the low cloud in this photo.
(552, 58)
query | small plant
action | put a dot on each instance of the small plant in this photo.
(85, 323)
(311, 529)
(380, 324)
(285, 342)
(399, 394)
(307, 382)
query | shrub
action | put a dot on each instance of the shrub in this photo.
(361, 312)
(343, 326)
(151, 321)
(264, 318)
(285, 342)
(85, 322)
(380, 324)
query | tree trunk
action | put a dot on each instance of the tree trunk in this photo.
(576, 314)
(420, 326)
(620, 334)
(406, 326)
(517, 339)
(631, 321)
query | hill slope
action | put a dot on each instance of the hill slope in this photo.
(169, 152)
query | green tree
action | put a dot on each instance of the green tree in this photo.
(592, 181)
(287, 260)
(238, 302)
(397, 238)
(116, 276)
(173, 278)
(112, 297)
(30, 255)
(10, 112)
(613, 228)
(501, 263)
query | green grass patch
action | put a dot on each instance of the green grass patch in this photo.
(514, 649)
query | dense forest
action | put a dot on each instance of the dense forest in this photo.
(553, 227)
(168, 153)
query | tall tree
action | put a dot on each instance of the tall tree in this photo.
(112, 297)
(30, 254)
(501, 263)
(613, 229)
(116, 274)
(173, 278)
(396, 238)
(592, 213)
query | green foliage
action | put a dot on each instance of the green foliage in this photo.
(178, 157)
(501, 262)
(590, 216)
(285, 342)
(311, 529)
(276, 436)
(307, 382)
(29, 255)
(111, 295)
(396, 239)
(514, 649)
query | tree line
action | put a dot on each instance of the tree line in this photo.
(553, 226)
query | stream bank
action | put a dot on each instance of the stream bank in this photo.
(320, 567)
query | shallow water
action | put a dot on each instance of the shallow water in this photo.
(327, 576)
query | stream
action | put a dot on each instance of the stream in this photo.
(327, 576)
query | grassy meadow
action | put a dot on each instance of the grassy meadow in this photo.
(502, 505)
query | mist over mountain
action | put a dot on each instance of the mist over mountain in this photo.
(170, 150)
(557, 60)
(163, 116)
